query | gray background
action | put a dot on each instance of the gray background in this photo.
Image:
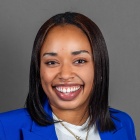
(119, 21)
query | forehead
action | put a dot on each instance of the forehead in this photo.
(64, 37)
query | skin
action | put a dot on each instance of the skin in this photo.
(66, 61)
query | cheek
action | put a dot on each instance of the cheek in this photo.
(45, 73)
(46, 77)
(88, 75)
(46, 81)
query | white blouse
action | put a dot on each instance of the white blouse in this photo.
(63, 134)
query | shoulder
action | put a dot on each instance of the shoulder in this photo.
(120, 115)
(15, 115)
(12, 122)
(123, 120)
(13, 112)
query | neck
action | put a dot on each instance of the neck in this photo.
(76, 117)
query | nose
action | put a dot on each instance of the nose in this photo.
(66, 72)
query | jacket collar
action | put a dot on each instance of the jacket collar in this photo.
(118, 134)
(48, 132)
(38, 132)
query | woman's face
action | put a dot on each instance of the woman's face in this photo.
(66, 68)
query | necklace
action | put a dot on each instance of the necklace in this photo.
(76, 137)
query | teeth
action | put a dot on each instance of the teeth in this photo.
(68, 89)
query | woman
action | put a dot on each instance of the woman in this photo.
(68, 87)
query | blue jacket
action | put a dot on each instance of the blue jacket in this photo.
(18, 125)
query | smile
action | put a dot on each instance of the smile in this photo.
(68, 92)
(67, 89)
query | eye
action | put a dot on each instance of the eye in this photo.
(52, 63)
(80, 61)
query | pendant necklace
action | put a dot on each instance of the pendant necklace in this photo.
(76, 137)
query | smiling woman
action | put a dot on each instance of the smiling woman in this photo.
(68, 87)
(67, 77)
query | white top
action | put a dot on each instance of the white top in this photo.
(63, 134)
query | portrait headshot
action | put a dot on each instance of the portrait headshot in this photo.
(69, 70)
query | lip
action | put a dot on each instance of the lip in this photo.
(68, 96)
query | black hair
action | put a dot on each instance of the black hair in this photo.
(98, 105)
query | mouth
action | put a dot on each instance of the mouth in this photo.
(67, 89)
(68, 92)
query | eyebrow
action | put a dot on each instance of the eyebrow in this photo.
(79, 52)
(73, 53)
(50, 53)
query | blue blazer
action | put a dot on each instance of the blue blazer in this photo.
(18, 125)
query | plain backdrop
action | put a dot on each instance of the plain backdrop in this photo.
(119, 21)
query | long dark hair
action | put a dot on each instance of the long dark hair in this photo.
(98, 105)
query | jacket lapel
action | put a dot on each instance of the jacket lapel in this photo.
(48, 132)
(118, 134)
(45, 133)
(38, 132)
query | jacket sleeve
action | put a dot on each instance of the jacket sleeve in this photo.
(129, 126)
(2, 133)
(132, 130)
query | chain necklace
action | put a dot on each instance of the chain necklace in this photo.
(76, 137)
